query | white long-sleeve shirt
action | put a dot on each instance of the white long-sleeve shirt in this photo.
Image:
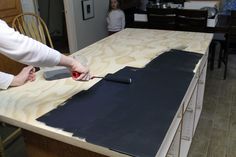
(116, 20)
(24, 50)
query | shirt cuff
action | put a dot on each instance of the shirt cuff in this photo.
(5, 80)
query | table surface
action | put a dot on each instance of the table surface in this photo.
(21, 106)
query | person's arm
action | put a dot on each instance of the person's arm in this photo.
(26, 74)
(29, 51)
(108, 18)
(26, 50)
(123, 20)
(5, 80)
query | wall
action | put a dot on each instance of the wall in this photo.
(91, 30)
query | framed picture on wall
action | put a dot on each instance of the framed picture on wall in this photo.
(88, 9)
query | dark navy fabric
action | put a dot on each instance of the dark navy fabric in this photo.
(176, 59)
(128, 118)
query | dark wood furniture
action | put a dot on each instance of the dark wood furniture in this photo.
(227, 40)
(161, 18)
(8, 134)
(41, 146)
(218, 38)
(219, 31)
(9, 9)
(221, 26)
(10, 66)
(191, 20)
(126, 4)
(230, 45)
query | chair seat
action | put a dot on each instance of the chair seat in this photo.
(219, 37)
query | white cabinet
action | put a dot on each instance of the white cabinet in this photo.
(180, 134)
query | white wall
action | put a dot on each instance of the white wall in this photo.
(91, 30)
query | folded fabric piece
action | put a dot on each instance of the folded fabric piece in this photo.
(129, 118)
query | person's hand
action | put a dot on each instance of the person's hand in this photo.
(26, 74)
(75, 66)
(82, 70)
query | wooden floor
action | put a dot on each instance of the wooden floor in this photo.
(216, 132)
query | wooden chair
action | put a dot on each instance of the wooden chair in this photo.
(8, 134)
(32, 26)
(191, 20)
(161, 18)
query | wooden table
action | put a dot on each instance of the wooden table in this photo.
(21, 106)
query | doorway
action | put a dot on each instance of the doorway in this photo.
(53, 13)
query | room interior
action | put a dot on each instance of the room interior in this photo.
(215, 131)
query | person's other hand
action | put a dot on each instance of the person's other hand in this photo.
(26, 74)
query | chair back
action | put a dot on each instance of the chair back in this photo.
(233, 18)
(231, 35)
(161, 18)
(191, 20)
(32, 26)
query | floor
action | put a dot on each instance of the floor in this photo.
(216, 132)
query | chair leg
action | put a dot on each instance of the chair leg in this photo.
(225, 72)
(212, 55)
(12, 137)
(226, 66)
(1, 148)
(220, 56)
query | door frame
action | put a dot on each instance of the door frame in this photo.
(70, 23)
(71, 27)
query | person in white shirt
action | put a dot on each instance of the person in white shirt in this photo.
(31, 52)
(115, 18)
